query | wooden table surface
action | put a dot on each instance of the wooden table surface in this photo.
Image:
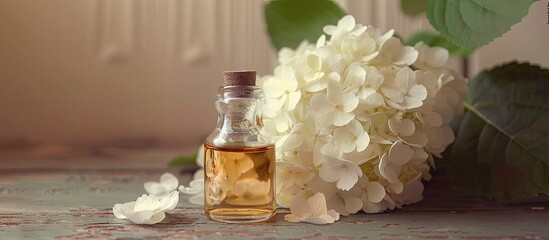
(71, 198)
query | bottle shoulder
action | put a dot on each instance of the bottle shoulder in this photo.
(222, 139)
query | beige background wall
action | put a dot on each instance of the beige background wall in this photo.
(99, 70)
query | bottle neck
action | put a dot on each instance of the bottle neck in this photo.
(239, 116)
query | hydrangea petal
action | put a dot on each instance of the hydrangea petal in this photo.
(400, 153)
(154, 188)
(146, 202)
(349, 177)
(121, 211)
(362, 142)
(317, 204)
(353, 204)
(169, 202)
(347, 23)
(341, 118)
(375, 191)
(349, 102)
(169, 181)
(146, 217)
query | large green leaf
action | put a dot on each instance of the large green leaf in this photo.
(413, 7)
(291, 22)
(474, 23)
(435, 40)
(502, 146)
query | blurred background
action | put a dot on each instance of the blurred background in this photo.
(104, 77)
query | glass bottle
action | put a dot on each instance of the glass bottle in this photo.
(239, 166)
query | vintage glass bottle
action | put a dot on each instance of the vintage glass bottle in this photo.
(239, 165)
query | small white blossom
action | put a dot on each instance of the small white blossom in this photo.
(319, 67)
(346, 27)
(352, 137)
(168, 183)
(283, 91)
(290, 174)
(372, 195)
(430, 57)
(343, 202)
(393, 52)
(392, 161)
(403, 92)
(401, 126)
(286, 54)
(354, 79)
(334, 107)
(147, 209)
(335, 168)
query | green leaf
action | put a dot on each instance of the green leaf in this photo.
(474, 23)
(183, 160)
(291, 22)
(413, 7)
(435, 40)
(502, 146)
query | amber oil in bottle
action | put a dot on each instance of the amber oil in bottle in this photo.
(239, 167)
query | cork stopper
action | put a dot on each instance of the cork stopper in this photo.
(239, 78)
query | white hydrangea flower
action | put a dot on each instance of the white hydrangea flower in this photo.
(365, 127)
(147, 209)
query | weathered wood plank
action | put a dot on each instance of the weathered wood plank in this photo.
(75, 204)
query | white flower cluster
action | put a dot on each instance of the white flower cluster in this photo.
(358, 118)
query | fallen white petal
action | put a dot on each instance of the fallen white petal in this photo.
(147, 209)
